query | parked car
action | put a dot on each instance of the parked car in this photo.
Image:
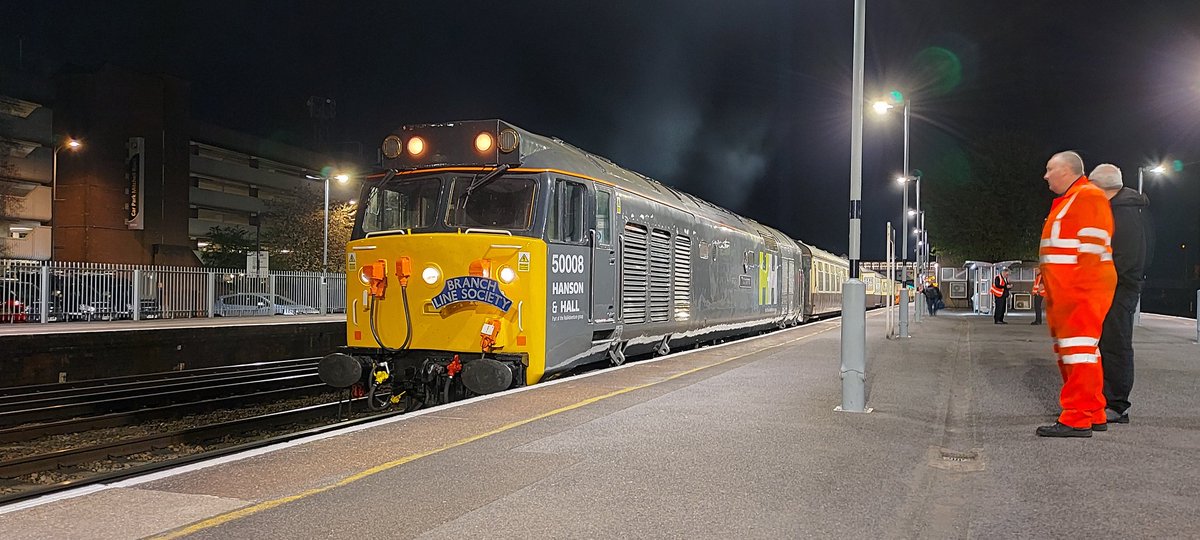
(256, 304)
(21, 300)
(12, 308)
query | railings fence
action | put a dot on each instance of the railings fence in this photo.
(51, 291)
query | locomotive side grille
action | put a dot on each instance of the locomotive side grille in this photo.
(633, 274)
(660, 276)
(682, 273)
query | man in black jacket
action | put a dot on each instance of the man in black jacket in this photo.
(1131, 231)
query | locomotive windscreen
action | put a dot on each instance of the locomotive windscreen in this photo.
(504, 203)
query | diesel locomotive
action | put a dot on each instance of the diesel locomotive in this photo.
(489, 257)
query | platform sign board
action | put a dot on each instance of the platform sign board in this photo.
(257, 263)
(135, 181)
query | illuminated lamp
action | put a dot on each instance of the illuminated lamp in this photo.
(416, 146)
(431, 275)
(509, 139)
(392, 147)
(507, 274)
(484, 142)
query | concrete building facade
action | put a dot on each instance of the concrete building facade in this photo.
(148, 182)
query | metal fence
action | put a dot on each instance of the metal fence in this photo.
(41, 291)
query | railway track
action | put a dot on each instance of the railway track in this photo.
(57, 409)
(205, 442)
(69, 433)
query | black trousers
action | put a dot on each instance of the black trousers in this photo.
(1116, 348)
(1000, 308)
(1037, 308)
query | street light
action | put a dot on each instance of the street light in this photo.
(882, 107)
(1158, 169)
(69, 144)
(342, 179)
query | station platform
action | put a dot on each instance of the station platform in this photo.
(27, 328)
(33, 353)
(735, 441)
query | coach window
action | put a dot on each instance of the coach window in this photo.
(603, 218)
(567, 213)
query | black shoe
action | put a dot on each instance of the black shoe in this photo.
(1062, 430)
(1099, 427)
(1035, 323)
(1115, 417)
(1001, 322)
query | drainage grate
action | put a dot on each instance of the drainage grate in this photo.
(948, 455)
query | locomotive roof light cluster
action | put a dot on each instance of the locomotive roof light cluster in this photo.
(478, 143)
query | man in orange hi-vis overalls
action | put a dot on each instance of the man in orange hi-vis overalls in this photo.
(1079, 277)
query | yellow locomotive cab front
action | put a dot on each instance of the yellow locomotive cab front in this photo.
(468, 294)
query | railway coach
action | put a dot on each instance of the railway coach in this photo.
(489, 257)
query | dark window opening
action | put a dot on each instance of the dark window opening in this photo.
(410, 204)
(567, 213)
(502, 203)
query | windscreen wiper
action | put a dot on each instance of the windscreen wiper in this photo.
(476, 184)
(487, 179)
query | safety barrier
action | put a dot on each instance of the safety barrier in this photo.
(51, 291)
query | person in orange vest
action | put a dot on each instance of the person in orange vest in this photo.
(1038, 291)
(1079, 277)
(999, 290)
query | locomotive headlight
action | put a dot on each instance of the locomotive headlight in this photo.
(484, 142)
(507, 274)
(392, 147)
(416, 146)
(431, 274)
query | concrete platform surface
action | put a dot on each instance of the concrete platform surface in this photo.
(21, 329)
(737, 441)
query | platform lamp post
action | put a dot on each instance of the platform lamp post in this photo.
(882, 107)
(1157, 169)
(342, 179)
(854, 292)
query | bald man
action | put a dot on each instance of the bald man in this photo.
(1129, 249)
(1077, 271)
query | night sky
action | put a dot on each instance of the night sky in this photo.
(745, 103)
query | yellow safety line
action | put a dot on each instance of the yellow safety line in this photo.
(267, 505)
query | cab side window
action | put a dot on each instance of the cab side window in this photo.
(567, 218)
(603, 218)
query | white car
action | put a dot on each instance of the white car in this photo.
(259, 304)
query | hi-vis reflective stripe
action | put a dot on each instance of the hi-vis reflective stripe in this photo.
(1068, 243)
(1095, 233)
(1080, 359)
(1060, 259)
(1083, 341)
(1095, 249)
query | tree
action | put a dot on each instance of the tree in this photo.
(227, 247)
(296, 230)
(989, 205)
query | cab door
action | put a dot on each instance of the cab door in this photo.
(604, 258)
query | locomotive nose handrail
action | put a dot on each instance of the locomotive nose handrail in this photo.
(488, 231)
